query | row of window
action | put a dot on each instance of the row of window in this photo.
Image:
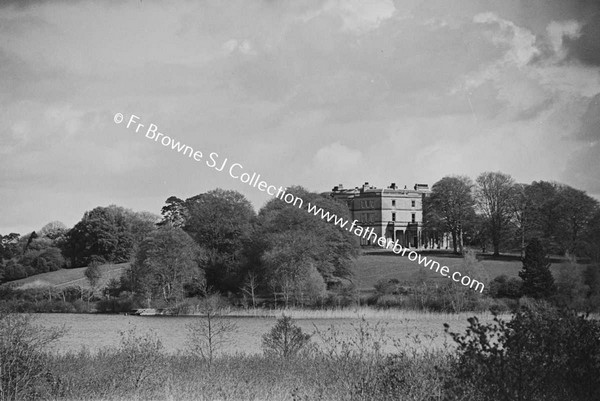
(370, 204)
(413, 217)
(370, 217)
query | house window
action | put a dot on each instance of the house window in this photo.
(393, 203)
(412, 203)
(393, 216)
(413, 218)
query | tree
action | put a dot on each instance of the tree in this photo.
(494, 195)
(330, 249)
(285, 339)
(537, 278)
(165, 261)
(53, 230)
(290, 265)
(250, 286)
(8, 246)
(93, 274)
(577, 210)
(208, 334)
(104, 233)
(451, 204)
(174, 212)
(220, 222)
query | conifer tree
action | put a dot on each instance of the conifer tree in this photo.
(537, 278)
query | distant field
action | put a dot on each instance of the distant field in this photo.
(70, 277)
(376, 264)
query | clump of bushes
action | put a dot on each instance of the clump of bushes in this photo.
(543, 353)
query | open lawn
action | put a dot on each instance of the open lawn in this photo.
(376, 264)
(70, 277)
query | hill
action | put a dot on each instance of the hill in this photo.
(70, 277)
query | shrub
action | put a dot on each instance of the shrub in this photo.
(22, 358)
(543, 353)
(285, 339)
(504, 287)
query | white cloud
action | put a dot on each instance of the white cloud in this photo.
(337, 158)
(358, 16)
(558, 30)
(520, 41)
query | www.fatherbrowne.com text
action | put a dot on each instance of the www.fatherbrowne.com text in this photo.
(236, 171)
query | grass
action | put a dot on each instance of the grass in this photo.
(376, 264)
(70, 277)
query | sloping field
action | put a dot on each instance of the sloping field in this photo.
(377, 264)
(70, 277)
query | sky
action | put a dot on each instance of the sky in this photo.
(311, 93)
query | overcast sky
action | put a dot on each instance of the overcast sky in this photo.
(311, 93)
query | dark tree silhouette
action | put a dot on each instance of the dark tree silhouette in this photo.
(537, 278)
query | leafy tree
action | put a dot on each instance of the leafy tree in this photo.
(494, 196)
(53, 230)
(174, 212)
(104, 232)
(220, 222)
(451, 204)
(165, 261)
(290, 265)
(537, 278)
(315, 241)
(285, 339)
(8, 246)
(93, 274)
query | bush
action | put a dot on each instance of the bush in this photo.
(504, 287)
(543, 353)
(285, 339)
(22, 356)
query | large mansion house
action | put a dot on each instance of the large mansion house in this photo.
(394, 213)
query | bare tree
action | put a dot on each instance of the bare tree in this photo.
(208, 334)
(250, 287)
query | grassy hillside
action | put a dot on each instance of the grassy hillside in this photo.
(377, 264)
(70, 277)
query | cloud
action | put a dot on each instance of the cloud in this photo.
(337, 158)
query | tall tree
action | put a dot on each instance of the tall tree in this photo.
(451, 204)
(494, 195)
(577, 211)
(220, 222)
(521, 213)
(164, 263)
(329, 248)
(537, 278)
(103, 234)
(174, 212)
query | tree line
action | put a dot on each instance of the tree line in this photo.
(495, 210)
(213, 241)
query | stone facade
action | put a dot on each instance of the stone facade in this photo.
(392, 212)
